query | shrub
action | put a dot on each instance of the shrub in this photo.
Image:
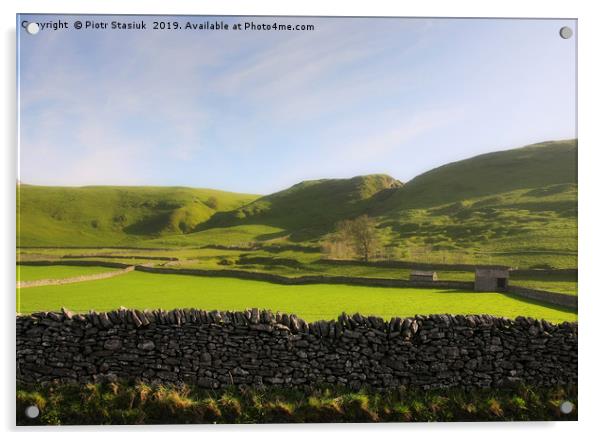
(212, 202)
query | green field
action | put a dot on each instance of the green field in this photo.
(31, 273)
(290, 263)
(310, 302)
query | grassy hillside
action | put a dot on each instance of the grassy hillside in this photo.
(516, 207)
(535, 166)
(110, 215)
(527, 228)
(310, 208)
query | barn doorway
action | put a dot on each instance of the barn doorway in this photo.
(502, 283)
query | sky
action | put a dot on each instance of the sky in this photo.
(258, 111)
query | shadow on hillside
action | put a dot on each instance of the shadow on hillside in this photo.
(152, 225)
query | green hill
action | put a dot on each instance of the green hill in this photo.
(111, 215)
(310, 208)
(503, 207)
(535, 166)
(511, 206)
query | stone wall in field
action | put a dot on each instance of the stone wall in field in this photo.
(258, 348)
(263, 276)
(411, 265)
(543, 272)
(309, 279)
(85, 263)
(559, 299)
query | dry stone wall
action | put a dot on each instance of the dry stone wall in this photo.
(309, 279)
(262, 276)
(259, 348)
(559, 299)
(74, 263)
(411, 265)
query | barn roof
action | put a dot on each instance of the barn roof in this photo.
(492, 272)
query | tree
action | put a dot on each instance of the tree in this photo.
(359, 234)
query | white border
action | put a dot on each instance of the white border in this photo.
(590, 125)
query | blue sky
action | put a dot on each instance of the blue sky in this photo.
(258, 111)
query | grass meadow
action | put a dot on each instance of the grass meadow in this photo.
(311, 302)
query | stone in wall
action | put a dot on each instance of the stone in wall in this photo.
(258, 348)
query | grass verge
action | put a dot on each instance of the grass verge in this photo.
(141, 403)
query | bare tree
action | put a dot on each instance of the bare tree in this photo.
(360, 235)
(337, 249)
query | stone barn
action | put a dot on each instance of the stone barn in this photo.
(423, 275)
(489, 279)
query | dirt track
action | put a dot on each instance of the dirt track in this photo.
(97, 276)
